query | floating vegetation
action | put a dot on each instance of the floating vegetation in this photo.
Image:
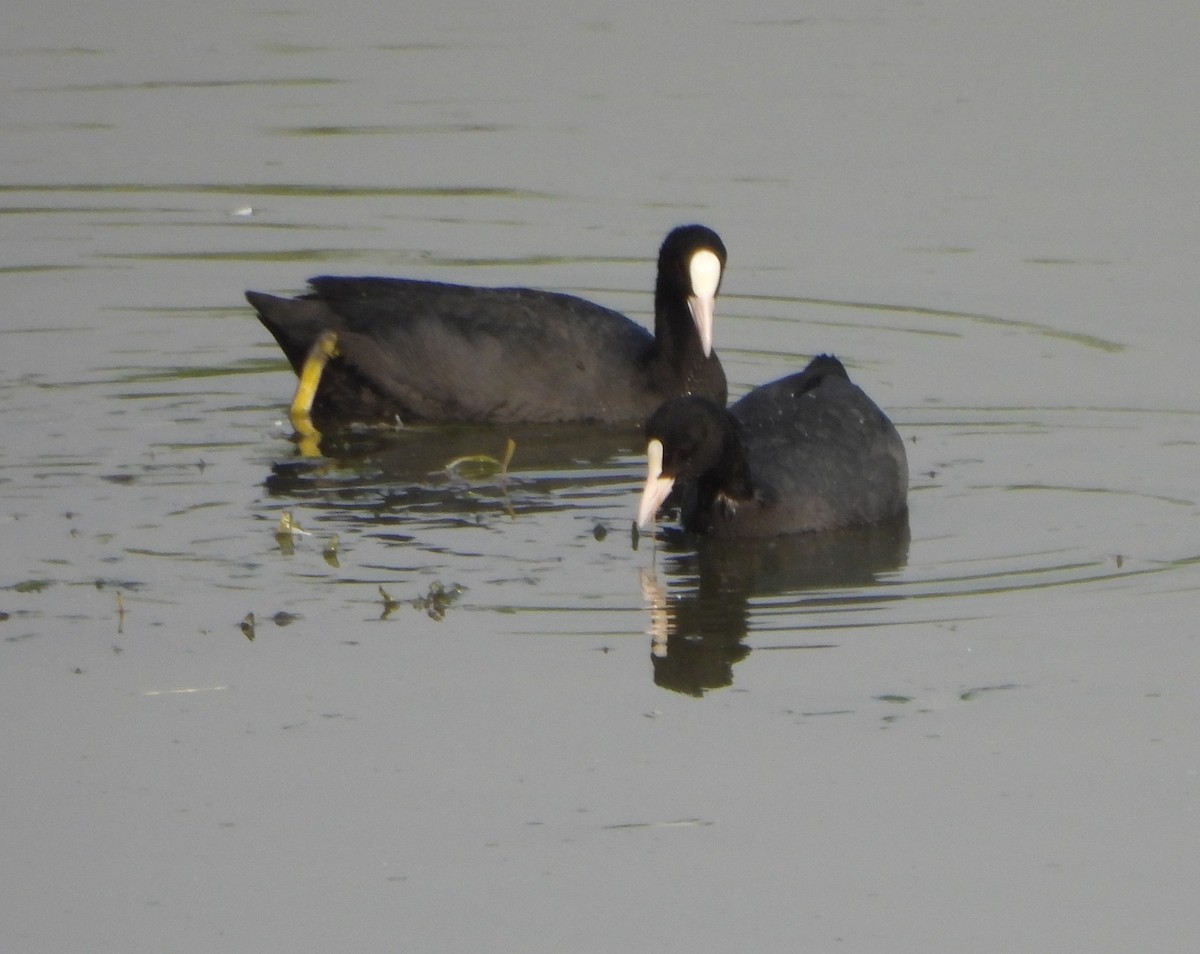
(389, 605)
(287, 531)
(289, 527)
(438, 599)
(482, 466)
(330, 553)
(971, 694)
(31, 586)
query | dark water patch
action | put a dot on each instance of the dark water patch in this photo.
(414, 129)
(30, 586)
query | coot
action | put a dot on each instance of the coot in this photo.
(430, 351)
(807, 452)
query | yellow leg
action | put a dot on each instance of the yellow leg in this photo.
(324, 348)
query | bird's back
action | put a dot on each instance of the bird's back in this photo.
(452, 352)
(821, 452)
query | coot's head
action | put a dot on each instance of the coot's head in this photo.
(690, 265)
(689, 439)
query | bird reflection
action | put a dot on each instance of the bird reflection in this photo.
(357, 455)
(699, 599)
(389, 475)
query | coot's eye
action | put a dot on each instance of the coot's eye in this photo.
(685, 453)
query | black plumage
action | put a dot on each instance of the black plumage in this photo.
(807, 452)
(431, 351)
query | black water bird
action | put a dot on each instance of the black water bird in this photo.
(808, 452)
(386, 348)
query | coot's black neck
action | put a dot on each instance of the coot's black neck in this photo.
(675, 336)
(727, 484)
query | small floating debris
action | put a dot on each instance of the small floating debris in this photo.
(389, 605)
(971, 694)
(289, 527)
(287, 531)
(245, 212)
(438, 599)
(330, 553)
(284, 618)
(480, 466)
(247, 626)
